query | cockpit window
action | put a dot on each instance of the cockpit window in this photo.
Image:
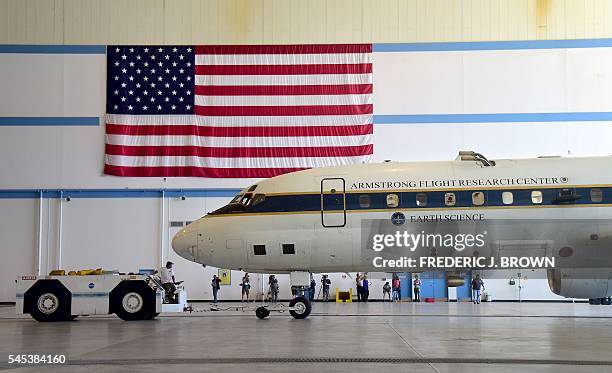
(258, 198)
(236, 199)
(240, 203)
(251, 200)
(252, 188)
(229, 209)
(246, 199)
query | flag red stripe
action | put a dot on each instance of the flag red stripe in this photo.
(282, 90)
(355, 68)
(251, 152)
(283, 110)
(190, 171)
(284, 49)
(208, 131)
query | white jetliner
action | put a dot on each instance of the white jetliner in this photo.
(310, 221)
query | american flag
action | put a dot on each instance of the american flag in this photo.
(237, 111)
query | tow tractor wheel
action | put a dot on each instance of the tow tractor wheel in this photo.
(50, 303)
(262, 312)
(301, 308)
(133, 300)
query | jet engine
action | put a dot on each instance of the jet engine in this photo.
(588, 283)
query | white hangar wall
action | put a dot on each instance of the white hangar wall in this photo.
(298, 21)
(424, 101)
(426, 107)
(513, 85)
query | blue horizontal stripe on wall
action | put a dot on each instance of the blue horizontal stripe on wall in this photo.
(116, 193)
(52, 49)
(378, 119)
(378, 47)
(49, 121)
(494, 118)
(492, 45)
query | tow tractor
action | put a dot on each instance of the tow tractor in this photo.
(59, 297)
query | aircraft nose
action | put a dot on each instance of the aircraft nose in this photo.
(185, 241)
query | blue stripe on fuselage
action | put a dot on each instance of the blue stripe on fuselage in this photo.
(407, 200)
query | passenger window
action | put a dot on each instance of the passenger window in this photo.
(478, 198)
(507, 198)
(536, 197)
(596, 195)
(259, 249)
(450, 199)
(392, 200)
(288, 249)
(364, 201)
(421, 199)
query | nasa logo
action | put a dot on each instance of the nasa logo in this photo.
(398, 218)
(91, 285)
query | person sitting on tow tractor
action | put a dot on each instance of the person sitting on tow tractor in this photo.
(166, 276)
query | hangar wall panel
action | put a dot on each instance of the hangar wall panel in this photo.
(118, 234)
(297, 21)
(18, 229)
(501, 81)
(52, 84)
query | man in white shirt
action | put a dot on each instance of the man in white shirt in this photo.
(166, 275)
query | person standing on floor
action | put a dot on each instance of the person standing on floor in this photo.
(359, 283)
(416, 285)
(395, 288)
(477, 287)
(365, 289)
(325, 283)
(246, 287)
(274, 289)
(216, 285)
(387, 291)
(312, 289)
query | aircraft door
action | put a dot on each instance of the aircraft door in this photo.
(333, 202)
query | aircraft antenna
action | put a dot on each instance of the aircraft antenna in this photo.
(469, 155)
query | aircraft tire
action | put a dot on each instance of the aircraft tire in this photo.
(302, 307)
(262, 312)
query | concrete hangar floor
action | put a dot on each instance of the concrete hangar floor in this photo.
(357, 337)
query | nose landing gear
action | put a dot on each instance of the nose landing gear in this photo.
(299, 308)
